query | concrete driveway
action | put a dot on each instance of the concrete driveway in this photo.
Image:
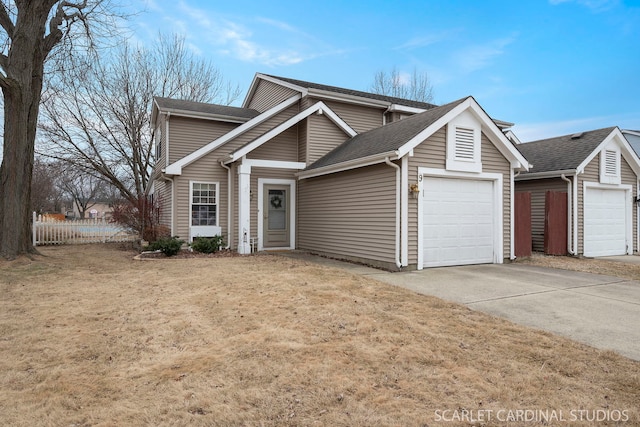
(601, 311)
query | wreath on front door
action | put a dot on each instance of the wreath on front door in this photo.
(276, 202)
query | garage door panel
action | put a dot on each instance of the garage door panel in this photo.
(605, 222)
(458, 222)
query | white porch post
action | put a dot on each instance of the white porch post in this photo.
(244, 209)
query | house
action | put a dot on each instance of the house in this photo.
(389, 182)
(596, 174)
(633, 136)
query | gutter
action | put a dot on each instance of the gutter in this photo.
(349, 164)
(549, 174)
(397, 168)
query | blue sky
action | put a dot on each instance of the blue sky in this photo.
(551, 66)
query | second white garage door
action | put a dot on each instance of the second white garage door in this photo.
(605, 224)
(458, 220)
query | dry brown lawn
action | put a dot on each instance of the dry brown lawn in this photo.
(588, 265)
(90, 337)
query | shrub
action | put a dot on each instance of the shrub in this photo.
(207, 245)
(169, 246)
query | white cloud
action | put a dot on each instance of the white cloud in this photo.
(427, 40)
(473, 58)
(593, 5)
(248, 38)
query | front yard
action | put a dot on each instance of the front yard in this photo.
(90, 337)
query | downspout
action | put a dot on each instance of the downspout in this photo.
(570, 247)
(397, 168)
(228, 203)
(575, 213)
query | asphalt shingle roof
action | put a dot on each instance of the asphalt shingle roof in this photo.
(565, 152)
(205, 108)
(384, 139)
(344, 91)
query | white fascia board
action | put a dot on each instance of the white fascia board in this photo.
(204, 116)
(628, 152)
(351, 164)
(317, 107)
(399, 108)
(494, 133)
(547, 174)
(176, 168)
(274, 164)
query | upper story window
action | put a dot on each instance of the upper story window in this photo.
(610, 165)
(157, 139)
(463, 144)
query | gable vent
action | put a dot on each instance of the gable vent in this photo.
(464, 144)
(611, 162)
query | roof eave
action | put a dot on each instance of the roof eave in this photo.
(545, 174)
(350, 164)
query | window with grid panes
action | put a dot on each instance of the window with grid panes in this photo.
(204, 205)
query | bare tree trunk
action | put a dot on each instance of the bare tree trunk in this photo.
(15, 176)
(21, 87)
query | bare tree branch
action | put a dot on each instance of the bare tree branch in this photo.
(6, 22)
(415, 86)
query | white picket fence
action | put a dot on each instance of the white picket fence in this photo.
(47, 231)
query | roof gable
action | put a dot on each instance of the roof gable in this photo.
(176, 167)
(320, 90)
(202, 110)
(318, 108)
(397, 139)
(571, 153)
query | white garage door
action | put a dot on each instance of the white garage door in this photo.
(604, 222)
(458, 222)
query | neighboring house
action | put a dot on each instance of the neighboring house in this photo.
(97, 210)
(353, 175)
(633, 136)
(598, 170)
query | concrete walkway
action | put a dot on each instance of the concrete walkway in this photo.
(601, 311)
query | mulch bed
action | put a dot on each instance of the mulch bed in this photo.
(186, 254)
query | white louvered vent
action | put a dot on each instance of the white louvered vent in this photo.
(464, 147)
(611, 162)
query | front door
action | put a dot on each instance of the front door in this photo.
(276, 218)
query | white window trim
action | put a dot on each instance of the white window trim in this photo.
(195, 230)
(497, 178)
(292, 211)
(465, 121)
(606, 178)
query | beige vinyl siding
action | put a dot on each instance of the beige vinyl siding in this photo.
(323, 136)
(630, 178)
(538, 189)
(160, 162)
(303, 129)
(349, 214)
(592, 174)
(283, 147)
(268, 95)
(162, 197)
(257, 131)
(432, 154)
(206, 169)
(359, 117)
(494, 162)
(187, 135)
